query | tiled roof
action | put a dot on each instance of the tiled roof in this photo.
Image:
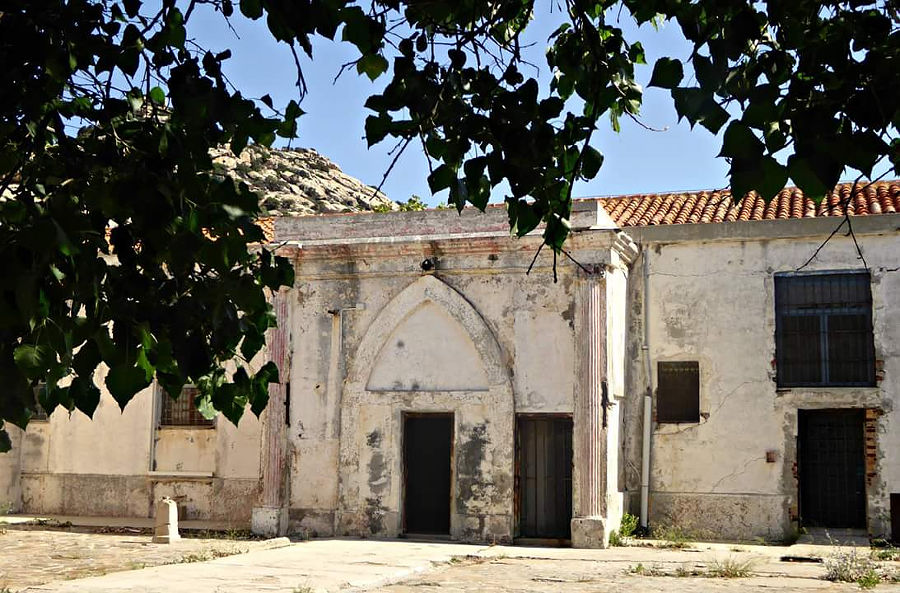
(267, 224)
(881, 197)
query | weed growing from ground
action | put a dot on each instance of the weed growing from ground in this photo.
(207, 554)
(731, 568)
(671, 536)
(645, 571)
(850, 566)
(627, 528)
(886, 553)
(629, 525)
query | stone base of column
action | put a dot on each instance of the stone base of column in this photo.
(589, 532)
(269, 521)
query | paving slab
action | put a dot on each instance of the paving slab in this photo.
(319, 565)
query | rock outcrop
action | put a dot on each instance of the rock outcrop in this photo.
(299, 182)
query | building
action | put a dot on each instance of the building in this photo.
(445, 379)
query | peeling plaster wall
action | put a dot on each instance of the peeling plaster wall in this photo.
(119, 463)
(712, 301)
(504, 344)
(10, 482)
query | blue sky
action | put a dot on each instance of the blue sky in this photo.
(637, 160)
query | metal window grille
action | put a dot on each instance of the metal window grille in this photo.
(678, 391)
(39, 413)
(823, 330)
(182, 411)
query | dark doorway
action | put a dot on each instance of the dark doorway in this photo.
(544, 452)
(832, 468)
(427, 452)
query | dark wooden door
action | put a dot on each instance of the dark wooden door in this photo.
(427, 451)
(832, 468)
(545, 476)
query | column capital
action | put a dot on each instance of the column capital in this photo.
(591, 271)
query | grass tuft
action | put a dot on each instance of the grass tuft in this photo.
(731, 568)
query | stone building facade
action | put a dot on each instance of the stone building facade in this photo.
(444, 379)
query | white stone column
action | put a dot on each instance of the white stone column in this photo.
(589, 439)
(271, 517)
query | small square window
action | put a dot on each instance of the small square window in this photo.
(39, 413)
(678, 392)
(182, 411)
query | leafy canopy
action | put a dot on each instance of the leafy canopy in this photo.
(123, 247)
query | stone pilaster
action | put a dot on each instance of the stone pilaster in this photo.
(271, 517)
(589, 442)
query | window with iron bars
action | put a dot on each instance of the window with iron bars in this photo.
(678, 392)
(39, 413)
(182, 411)
(823, 329)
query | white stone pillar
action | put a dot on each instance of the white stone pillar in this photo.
(271, 517)
(589, 442)
(165, 526)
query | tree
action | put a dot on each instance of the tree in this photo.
(123, 247)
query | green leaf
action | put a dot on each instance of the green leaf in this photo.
(5, 443)
(814, 174)
(32, 360)
(667, 73)
(361, 30)
(377, 127)
(372, 65)
(741, 142)
(252, 343)
(592, 160)
(85, 395)
(124, 381)
(699, 106)
(132, 7)
(766, 175)
(441, 178)
(708, 76)
(252, 9)
(205, 407)
(157, 96)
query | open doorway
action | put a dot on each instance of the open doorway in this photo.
(427, 462)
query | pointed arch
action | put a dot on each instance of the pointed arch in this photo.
(427, 290)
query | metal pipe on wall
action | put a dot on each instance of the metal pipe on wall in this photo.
(648, 395)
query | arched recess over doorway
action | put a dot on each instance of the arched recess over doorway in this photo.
(425, 290)
(479, 399)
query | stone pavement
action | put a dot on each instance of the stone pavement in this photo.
(419, 567)
(33, 554)
(319, 565)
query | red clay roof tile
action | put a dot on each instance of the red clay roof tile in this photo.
(880, 197)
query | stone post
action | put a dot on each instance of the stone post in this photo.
(271, 517)
(589, 442)
(165, 526)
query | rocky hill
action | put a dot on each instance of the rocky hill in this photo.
(299, 182)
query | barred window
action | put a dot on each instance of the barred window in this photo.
(182, 411)
(823, 329)
(39, 413)
(678, 392)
